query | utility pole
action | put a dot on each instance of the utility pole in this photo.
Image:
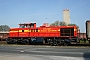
(46, 21)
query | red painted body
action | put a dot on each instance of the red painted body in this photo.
(42, 32)
(13, 32)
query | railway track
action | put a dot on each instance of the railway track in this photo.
(73, 45)
(3, 42)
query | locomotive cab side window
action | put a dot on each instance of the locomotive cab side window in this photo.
(28, 26)
(22, 26)
(32, 25)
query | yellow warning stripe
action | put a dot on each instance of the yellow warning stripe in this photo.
(13, 31)
(35, 31)
(38, 30)
(26, 31)
(48, 30)
(20, 30)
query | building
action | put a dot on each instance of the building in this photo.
(66, 16)
(46, 24)
(3, 35)
(82, 35)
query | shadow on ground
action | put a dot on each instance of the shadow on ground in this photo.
(86, 56)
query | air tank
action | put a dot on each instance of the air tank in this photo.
(88, 29)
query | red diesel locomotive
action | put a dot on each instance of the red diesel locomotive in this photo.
(28, 33)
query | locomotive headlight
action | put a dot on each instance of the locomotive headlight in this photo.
(75, 29)
(59, 30)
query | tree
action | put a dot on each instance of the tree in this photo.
(57, 23)
(53, 24)
(73, 25)
(4, 28)
(62, 23)
(0, 28)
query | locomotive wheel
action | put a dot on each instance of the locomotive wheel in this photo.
(18, 42)
(14, 41)
(52, 44)
(8, 42)
(56, 44)
(65, 43)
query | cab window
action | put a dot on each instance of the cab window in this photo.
(21, 26)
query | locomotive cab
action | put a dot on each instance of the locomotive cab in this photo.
(27, 25)
(24, 32)
(20, 35)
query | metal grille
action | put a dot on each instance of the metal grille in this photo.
(67, 31)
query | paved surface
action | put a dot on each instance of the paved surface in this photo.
(43, 53)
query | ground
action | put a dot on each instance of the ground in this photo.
(28, 52)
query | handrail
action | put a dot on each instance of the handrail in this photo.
(4, 31)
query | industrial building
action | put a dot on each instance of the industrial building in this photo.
(3, 35)
(66, 16)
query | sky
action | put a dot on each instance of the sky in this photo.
(13, 12)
